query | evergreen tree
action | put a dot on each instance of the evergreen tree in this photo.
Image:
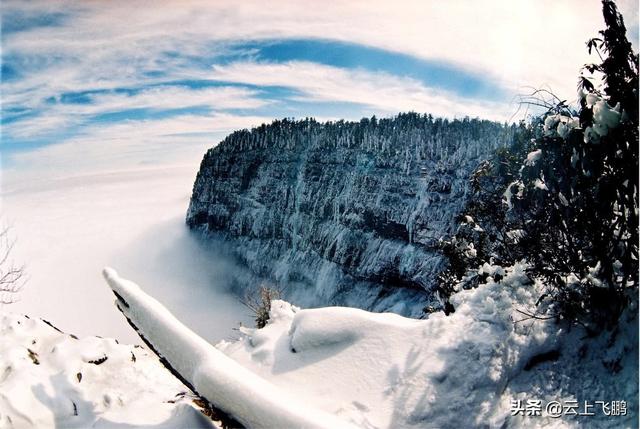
(571, 211)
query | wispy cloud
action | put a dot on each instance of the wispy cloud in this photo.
(510, 41)
(128, 144)
(129, 63)
(49, 114)
(383, 92)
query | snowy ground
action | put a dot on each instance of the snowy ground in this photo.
(386, 371)
(49, 379)
(69, 226)
(475, 368)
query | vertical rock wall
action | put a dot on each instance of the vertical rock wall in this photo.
(345, 213)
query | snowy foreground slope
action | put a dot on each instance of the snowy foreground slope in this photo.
(49, 379)
(340, 367)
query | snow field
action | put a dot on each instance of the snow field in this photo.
(52, 379)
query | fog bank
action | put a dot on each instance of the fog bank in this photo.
(68, 229)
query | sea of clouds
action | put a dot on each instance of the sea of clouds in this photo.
(68, 228)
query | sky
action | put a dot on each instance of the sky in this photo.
(99, 84)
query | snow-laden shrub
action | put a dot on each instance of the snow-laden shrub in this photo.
(485, 232)
(569, 195)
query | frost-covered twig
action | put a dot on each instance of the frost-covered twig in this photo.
(12, 277)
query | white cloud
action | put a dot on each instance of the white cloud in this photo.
(124, 145)
(388, 94)
(68, 229)
(158, 98)
(168, 97)
(107, 45)
(529, 42)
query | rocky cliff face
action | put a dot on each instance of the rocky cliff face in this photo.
(345, 213)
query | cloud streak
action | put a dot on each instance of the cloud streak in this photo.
(126, 145)
(130, 61)
(383, 92)
(509, 41)
(51, 113)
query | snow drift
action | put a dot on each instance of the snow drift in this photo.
(462, 370)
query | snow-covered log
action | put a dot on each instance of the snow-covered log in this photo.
(242, 394)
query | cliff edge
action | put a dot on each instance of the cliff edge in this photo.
(342, 213)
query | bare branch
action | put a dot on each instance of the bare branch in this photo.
(12, 276)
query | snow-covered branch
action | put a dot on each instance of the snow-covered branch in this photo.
(245, 396)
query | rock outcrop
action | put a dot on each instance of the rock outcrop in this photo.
(342, 213)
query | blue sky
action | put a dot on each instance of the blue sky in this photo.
(100, 81)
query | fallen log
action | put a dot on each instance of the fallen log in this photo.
(240, 395)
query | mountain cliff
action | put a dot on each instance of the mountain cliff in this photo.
(342, 213)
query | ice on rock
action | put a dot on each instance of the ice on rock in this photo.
(539, 184)
(563, 199)
(509, 192)
(471, 251)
